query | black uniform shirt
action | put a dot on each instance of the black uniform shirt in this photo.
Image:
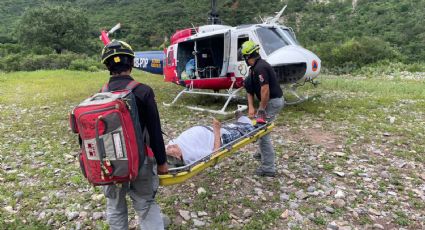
(148, 113)
(260, 74)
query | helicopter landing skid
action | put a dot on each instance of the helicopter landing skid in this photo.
(231, 94)
(299, 98)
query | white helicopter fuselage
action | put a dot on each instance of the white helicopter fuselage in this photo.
(278, 46)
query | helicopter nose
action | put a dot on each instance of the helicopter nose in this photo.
(296, 54)
(287, 54)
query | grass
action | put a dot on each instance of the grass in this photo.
(35, 140)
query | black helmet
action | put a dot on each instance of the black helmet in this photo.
(117, 53)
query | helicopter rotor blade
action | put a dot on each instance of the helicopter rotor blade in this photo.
(104, 35)
(115, 28)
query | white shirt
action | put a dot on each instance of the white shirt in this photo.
(198, 142)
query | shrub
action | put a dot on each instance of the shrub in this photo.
(31, 62)
(85, 65)
(363, 51)
(387, 67)
(355, 53)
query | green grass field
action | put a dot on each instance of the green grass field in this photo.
(377, 123)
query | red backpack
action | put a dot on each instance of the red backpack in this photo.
(112, 142)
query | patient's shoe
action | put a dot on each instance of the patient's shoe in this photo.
(174, 162)
(262, 173)
(257, 156)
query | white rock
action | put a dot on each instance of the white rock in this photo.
(42, 215)
(285, 214)
(329, 209)
(97, 215)
(339, 194)
(201, 190)
(339, 154)
(202, 213)
(97, 197)
(374, 212)
(72, 215)
(198, 223)
(301, 195)
(184, 214)
(83, 215)
(378, 226)
(284, 197)
(340, 174)
(247, 213)
(339, 203)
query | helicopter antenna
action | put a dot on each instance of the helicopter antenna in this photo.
(262, 20)
(213, 17)
(276, 18)
(194, 28)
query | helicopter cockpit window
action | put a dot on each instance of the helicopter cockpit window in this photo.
(288, 34)
(271, 39)
(241, 40)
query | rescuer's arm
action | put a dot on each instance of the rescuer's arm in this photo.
(251, 109)
(150, 116)
(265, 96)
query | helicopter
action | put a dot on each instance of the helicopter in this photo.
(211, 52)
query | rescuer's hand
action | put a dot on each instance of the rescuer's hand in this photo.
(261, 113)
(251, 112)
(162, 169)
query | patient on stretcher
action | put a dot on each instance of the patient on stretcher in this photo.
(200, 141)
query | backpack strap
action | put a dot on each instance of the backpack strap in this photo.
(132, 85)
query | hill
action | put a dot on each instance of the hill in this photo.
(320, 25)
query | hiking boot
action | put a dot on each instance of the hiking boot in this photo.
(257, 156)
(262, 173)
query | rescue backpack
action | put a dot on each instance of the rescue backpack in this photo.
(112, 142)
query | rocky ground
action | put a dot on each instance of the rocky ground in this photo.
(323, 181)
(350, 159)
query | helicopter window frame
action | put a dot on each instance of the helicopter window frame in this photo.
(289, 35)
(272, 43)
(241, 39)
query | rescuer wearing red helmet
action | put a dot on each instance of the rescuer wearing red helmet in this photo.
(118, 57)
(262, 83)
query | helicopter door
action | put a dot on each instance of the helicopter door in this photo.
(226, 53)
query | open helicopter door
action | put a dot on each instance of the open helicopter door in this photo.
(226, 53)
(219, 45)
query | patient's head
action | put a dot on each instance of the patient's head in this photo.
(173, 150)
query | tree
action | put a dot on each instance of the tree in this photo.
(57, 27)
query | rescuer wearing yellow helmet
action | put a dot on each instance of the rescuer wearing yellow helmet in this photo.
(262, 82)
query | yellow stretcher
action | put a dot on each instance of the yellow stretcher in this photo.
(181, 174)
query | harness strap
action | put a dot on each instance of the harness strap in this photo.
(130, 86)
(133, 84)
